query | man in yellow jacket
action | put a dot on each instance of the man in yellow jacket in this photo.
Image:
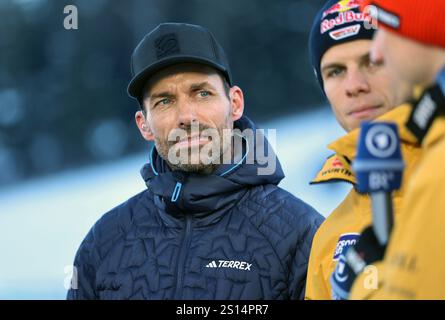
(414, 263)
(357, 90)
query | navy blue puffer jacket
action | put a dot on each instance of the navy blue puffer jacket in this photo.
(233, 234)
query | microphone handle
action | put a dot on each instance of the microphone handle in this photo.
(382, 215)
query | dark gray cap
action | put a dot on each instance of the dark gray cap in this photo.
(172, 43)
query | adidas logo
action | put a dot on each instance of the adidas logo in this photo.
(233, 264)
(212, 265)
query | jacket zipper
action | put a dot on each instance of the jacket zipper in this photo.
(183, 256)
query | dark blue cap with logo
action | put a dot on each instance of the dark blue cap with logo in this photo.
(337, 22)
(173, 43)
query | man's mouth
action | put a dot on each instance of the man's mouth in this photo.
(365, 112)
(191, 141)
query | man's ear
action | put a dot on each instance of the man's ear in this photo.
(143, 126)
(237, 101)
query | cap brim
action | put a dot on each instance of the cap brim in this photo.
(138, 82)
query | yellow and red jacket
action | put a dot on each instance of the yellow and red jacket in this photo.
(343, 226)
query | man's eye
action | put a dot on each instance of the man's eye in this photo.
(163, 102)
(334, 72)
(204, 93)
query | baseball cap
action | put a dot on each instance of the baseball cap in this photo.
(337, 22)
(420, 20)
(173, 43)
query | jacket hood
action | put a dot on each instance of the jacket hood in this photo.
(180, 192)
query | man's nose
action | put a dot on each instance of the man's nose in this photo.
(356, 83)
(186, 113)
(376, 53)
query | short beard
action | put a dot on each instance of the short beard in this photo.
(164, 146)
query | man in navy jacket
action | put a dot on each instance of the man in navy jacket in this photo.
(212, 223)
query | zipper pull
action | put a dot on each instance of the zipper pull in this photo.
(176, 192)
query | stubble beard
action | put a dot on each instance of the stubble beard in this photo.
(197, 158)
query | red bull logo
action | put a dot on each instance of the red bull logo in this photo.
(342, 6)
(341, 19)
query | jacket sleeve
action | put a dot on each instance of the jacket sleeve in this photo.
(297, 279)
(84, 274)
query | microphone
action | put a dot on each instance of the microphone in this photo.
(379, 169)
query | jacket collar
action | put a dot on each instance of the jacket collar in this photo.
(179, 192)
(436, 133)
(437, 130)
(338, 166)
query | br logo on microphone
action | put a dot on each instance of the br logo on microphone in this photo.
(379, 164)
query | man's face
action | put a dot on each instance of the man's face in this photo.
(406, 58)
(358, 89)
(181, 103)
